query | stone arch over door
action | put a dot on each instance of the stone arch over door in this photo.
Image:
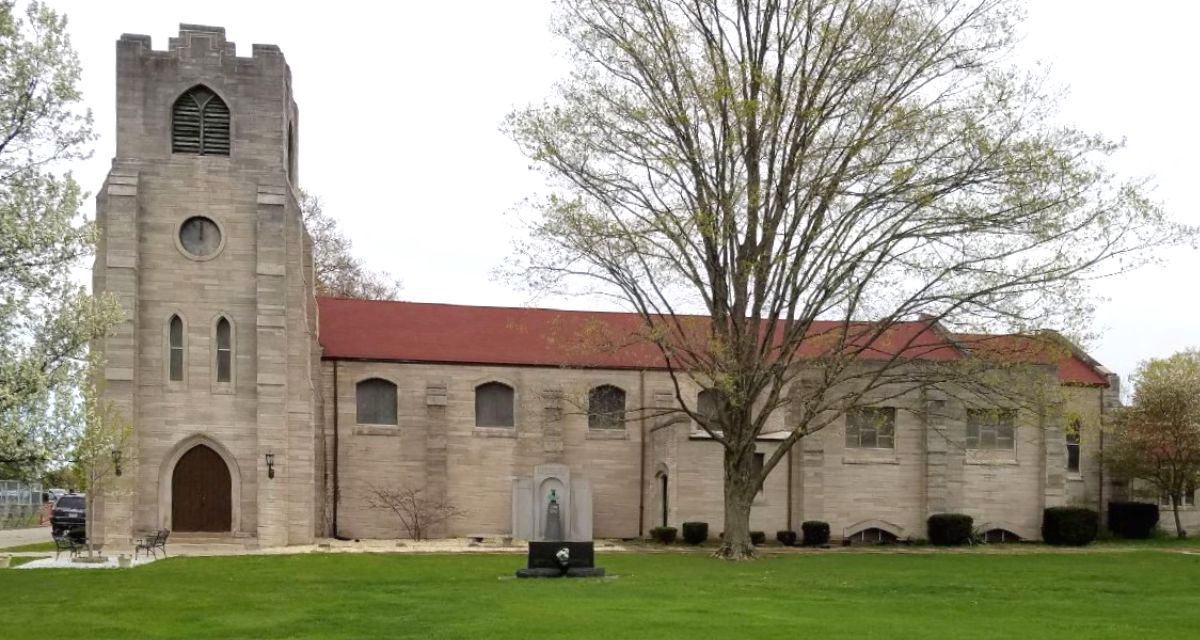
(200, 459)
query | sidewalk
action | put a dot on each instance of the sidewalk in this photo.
(18, 537)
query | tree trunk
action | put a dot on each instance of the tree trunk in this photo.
(1179, 532)
(90, 513)
(740, 489)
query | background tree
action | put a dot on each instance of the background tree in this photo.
(770, 164)
(338, 273)
(104, 446)
(1158, 436)
(46, 317)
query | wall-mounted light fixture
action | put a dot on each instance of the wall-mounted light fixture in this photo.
(271, 466)
(116, 458)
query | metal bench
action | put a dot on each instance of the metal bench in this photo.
(152, 544)
(69, 543)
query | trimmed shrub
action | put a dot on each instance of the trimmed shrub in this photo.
(816, 533)
(1071, 526)
(1135, 520)
(695, 532)
(950, 529)
(786, 538)
(665, 535)
(758, 538)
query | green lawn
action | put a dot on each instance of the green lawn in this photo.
(37, 546)
(1132, 594)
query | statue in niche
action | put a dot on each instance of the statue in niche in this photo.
(554, 528)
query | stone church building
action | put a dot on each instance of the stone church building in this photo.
(267, 415)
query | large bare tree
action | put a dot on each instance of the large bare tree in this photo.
(337, 271)
(1158, 436)
(772, 164)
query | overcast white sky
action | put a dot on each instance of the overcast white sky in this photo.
(401, 104)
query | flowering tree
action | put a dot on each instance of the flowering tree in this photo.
(1158, 437)
(47, 318)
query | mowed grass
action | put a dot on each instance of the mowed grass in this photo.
(1131, 594)
(36, 546)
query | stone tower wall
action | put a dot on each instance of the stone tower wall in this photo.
(260, 280)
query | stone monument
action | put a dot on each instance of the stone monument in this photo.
(553, 511)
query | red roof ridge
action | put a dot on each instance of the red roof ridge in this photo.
(438, 332)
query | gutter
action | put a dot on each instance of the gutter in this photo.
(337, 488)
(642, 455)
(1100, 488)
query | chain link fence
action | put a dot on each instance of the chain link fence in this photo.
(21, 504)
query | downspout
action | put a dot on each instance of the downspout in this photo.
(642, 454)
(789, 489)
(337, 487)
(1100, 491)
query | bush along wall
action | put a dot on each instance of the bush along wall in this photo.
(786, 538)
(950, 529)
(758, 538)
(1135, 520)
(1070, 526)
(695, 532)
(665, 535)
(816, 533)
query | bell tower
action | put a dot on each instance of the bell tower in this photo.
(203, 243)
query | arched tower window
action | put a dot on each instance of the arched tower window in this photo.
(175, 346)
(224, 350)
(200, 123)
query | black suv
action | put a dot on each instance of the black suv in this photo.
(69, 516)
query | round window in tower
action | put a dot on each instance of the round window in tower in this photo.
(200, 237)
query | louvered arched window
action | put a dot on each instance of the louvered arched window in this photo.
(200, 123)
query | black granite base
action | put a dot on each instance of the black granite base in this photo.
(573, 572)
(543, 561)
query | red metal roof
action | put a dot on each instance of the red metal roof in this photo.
(446, 333)
(1073, 367)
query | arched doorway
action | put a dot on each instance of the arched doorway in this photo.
(200, 492)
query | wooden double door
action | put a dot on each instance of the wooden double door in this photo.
(200, 492)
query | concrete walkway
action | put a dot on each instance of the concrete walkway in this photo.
(19, 537)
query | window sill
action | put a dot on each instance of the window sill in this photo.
(999, 462)
(607, 434)
(222, 389)
(495, 432)
(376, 430)
(870, 460)
(1073, 476)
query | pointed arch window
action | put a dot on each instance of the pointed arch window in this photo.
(224, 350)
(200, 123)
(175, 347)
